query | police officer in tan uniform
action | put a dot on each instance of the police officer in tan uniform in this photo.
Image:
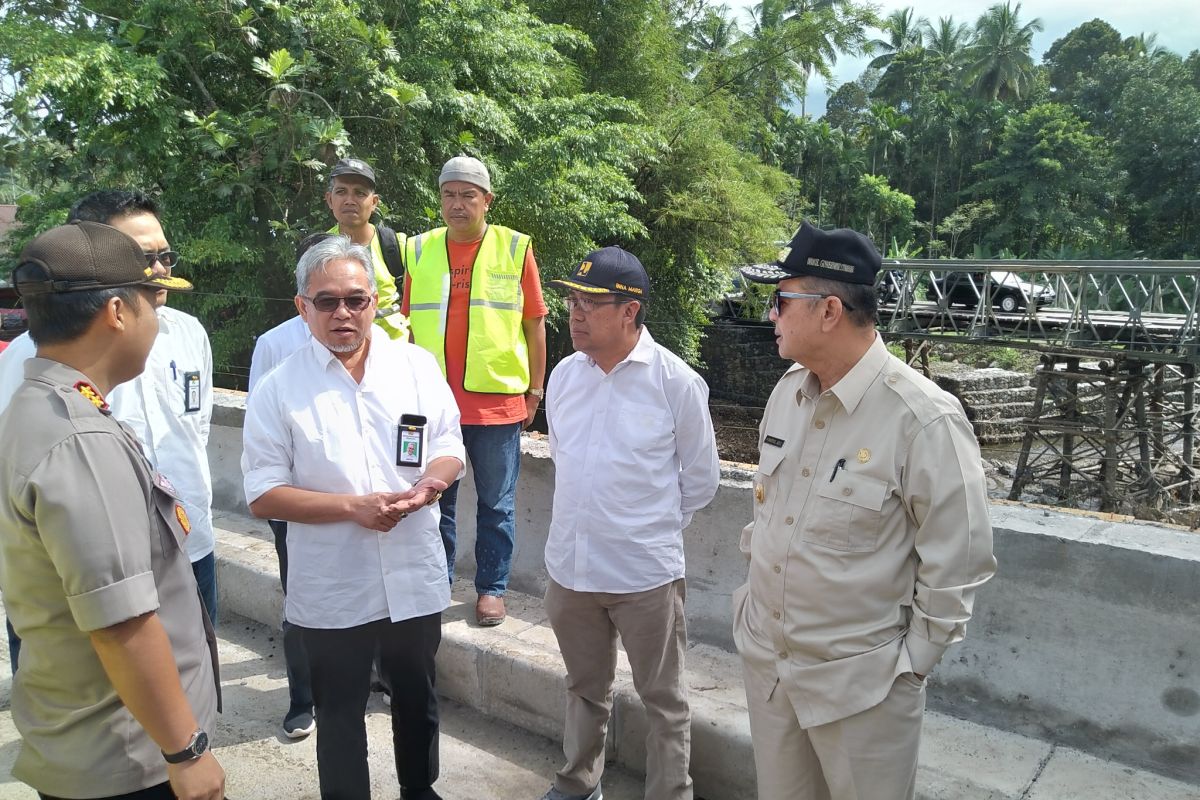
(870, 537)
(117, 688)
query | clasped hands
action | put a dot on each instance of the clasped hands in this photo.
(382, 511)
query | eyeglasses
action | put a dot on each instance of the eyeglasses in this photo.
(168, 258)
(328, 303)
(777, 296)
(587, 305)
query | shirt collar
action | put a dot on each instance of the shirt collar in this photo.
(854, 384)
(642, 352)
(326, 358)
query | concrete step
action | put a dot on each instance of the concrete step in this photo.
(514, 673)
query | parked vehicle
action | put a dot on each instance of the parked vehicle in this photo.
(1006, 290)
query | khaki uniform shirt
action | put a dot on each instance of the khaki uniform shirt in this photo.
(870, 536)
(90, 536)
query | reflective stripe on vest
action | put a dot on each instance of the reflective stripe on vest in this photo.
(497, 354)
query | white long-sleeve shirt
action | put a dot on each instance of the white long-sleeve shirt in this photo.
(172, 427)
(634, 456)
(311, 426)
(274, 346)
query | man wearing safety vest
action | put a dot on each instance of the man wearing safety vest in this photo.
(473, 298)
(352, 198)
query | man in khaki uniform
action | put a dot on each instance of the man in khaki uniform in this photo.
(870, 537)
(117, 685)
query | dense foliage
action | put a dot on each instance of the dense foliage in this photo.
(675, 128)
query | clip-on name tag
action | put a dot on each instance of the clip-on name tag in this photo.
(410, 441)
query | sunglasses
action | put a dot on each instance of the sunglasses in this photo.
(328, 303)
(777, 298)
(168, 258)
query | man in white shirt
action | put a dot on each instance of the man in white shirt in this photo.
(635, 457)
(169, 405)
(351, 440)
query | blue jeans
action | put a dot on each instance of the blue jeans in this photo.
(495, 455)
(205, 571)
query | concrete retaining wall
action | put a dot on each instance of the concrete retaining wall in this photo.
(1089, 635)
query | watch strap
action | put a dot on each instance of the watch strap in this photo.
(196, 747)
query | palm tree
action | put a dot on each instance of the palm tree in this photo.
(948, 41)
(999, 64)
(884, 125)
(903, 33)
(1144, 45)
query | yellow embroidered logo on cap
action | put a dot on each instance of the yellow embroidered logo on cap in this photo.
(184, 522)
(783, 254)
(585, 268)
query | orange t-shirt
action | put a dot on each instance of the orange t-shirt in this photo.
(478, 408)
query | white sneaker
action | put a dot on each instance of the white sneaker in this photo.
(555, 794)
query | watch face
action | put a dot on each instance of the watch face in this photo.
(200, 745)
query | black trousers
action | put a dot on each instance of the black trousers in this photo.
(340, 664)
(295, 660)
(160, 792)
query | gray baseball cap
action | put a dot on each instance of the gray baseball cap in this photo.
(353, 166)
(467, 169)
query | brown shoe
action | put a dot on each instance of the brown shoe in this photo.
(489, 610)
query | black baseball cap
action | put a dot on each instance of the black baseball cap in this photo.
(354, 166)
(839, 255)
(609, 269)
(84, 256)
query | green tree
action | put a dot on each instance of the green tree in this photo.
(1073, 57)
(1000, 66)
(1051, 181)
(902, 30)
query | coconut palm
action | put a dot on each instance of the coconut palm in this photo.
(948, 41)
(902, 30)
(999, 63)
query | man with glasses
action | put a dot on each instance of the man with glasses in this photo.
(117, 690)
(352, 440)
(870, 537)
(169, 405)
(635, 457)
(474, 299)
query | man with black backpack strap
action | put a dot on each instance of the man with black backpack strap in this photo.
(353, 200)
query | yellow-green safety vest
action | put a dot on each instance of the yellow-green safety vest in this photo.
(497, 354)
(395, 324)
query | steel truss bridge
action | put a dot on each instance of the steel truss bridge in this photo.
(1114, 413)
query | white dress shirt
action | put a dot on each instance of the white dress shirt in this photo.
(154, 404)
(311, 426)
(634, 457)
(272, 347)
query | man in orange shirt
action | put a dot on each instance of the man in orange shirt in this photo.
(474, 299)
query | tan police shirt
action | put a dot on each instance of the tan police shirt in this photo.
(870, 536)
(90, 536)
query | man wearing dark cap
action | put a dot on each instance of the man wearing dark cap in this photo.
(474, 298)
(870, 537)
(635, 457)
(117, 686)
(353, 200)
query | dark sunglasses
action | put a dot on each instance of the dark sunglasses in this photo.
(168, 258)
(327, 303)
(777, 297)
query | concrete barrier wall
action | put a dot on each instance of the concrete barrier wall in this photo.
(1089, 635)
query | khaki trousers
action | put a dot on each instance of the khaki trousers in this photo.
(652, 628)
(871, 755)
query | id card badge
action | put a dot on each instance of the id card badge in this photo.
(191, 391)
(410, 441)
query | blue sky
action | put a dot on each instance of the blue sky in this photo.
(1177, 23)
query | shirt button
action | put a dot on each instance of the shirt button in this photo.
(819, 424)
(892, 379)
(782, 654)
(806, 472)
(778, 568)
(790, 520)
(847, 492)
(775, 614)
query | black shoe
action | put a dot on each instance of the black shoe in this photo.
(299, 723)
(419, 794)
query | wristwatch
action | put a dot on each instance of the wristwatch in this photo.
(195, 748)
(536, 392)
